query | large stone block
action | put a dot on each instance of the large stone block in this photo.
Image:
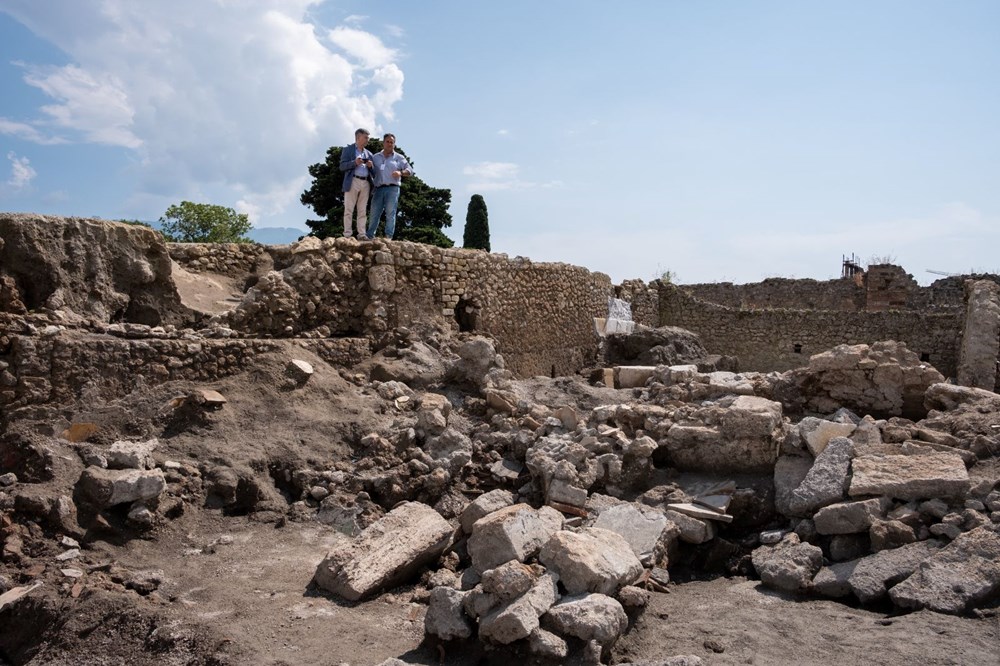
(956, 578)
(850, 517)
(647, 531)
(386, 553)
(108, 487)
(588, 617)
(826, 481)
(591, 560)
(871, 577)
(910, 477)
(513, 533)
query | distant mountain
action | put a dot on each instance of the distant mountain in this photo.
(276, 235)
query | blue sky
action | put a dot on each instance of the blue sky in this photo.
(729, 140)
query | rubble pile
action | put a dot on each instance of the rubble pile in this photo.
(533, 518)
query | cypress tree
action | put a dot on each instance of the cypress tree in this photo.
(477, 226)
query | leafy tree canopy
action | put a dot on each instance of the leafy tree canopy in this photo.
(421, 215)
(189, 222)
(477, 225)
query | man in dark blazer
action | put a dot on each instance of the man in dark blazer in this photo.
(356, 163)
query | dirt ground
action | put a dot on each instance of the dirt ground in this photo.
(233, 585)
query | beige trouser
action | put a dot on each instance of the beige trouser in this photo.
(357, 196)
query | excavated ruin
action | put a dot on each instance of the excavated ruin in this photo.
(384, 453)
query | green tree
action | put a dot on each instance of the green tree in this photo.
(477, 225)
(204, 223)
(421, 215)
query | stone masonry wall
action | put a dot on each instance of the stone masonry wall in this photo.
(780, 340)
(540, 314)
(233, 259)
(644, 299)
(839, 295)
(39, 369)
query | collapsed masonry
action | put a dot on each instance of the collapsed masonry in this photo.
(538, 515)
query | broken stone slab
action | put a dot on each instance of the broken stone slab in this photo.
(903, 477)
(484, 505)
(956, 578)
(695, 511)
(817, 433)
(124, 454)
(588, 617)
(790, 565)
(591, 560)
(826, 482)
(693, 530)
(634, 376)
(789, 473)
(871, 577)
(850, 517)
(513, 533)
(445, 617)
(563, 492)
(506, 470)
(520, 617)
(386, 553)
(647, 531)
(110, 487)
(716, 503)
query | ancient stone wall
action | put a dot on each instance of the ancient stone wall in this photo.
(840, 295)
(643, 298)
(540, 314)
(889, 287)
(52, 367)
(232, 259)
(780, 340)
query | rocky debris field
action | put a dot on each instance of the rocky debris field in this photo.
(197, 469)
(428, 507)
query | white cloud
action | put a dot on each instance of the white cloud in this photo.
(503, 132)
(494, 176)
(231, 99)
(362, 45)
(27, 132)
(21, 172)
(96, 106)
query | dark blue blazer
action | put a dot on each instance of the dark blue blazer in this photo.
(347, 157)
